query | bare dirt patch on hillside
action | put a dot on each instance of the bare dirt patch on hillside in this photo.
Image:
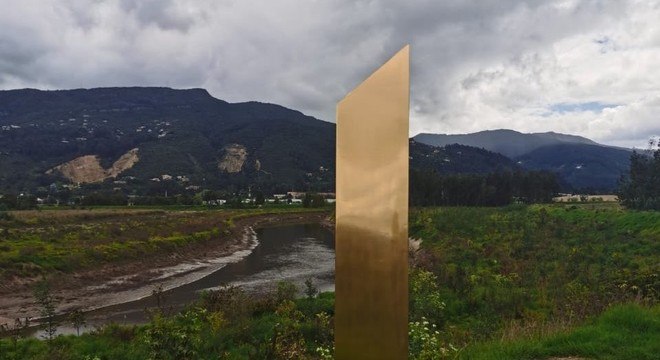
(234, 158)
(88, 169)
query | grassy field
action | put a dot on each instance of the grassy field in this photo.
(507, 272)
(625, 332)
(33, 243)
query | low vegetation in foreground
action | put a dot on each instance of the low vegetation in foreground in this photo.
(509, 271)
(622, 332)
(519, 282)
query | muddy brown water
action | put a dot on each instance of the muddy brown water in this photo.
(292, 253)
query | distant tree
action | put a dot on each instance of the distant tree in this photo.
(234, 202)
(428, 188)
(318, 201)
(77, 319)
(259, 198)
(47, 305)
(159, 297)
(208, 195)
(184, 199)
(640, 189)
(25, 202)
(104, 198)
(4, 214)
(310, 289)
(307, 200)
(313, 200)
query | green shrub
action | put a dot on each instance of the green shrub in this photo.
(176, 338)
(425, 300)
(425, 343)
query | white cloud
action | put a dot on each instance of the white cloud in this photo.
(476, 65)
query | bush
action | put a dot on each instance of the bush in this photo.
(288, 341)
(424, 342)
(231, 303)
(176, 338)
(286, 291)
(425, 300)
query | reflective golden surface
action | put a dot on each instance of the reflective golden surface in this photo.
(371, 306)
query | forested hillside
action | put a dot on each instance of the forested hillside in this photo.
(188, 135)
(581, 164)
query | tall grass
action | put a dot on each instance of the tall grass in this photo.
(624, 332)
(504, 272)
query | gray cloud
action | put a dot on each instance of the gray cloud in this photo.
(162, 13)
(476, 65)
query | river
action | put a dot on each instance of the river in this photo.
(292, 253)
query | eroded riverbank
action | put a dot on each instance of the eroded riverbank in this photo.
(129, 281)
(291, 252)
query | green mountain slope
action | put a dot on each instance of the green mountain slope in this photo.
(457, 159)
(178, 133)
(580, 165)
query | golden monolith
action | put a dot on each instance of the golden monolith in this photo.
(371, 306)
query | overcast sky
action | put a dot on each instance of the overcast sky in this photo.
(590, 68)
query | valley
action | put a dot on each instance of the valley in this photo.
(329, 180)
(169, 224)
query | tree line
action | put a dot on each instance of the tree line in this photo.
(428, 188)
(641, 188)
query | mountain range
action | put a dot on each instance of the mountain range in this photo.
(581, 163)
(509, 143)
(147, 139)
